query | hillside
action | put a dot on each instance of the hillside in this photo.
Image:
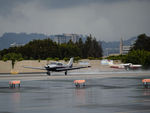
(113, 47)
(23, 38)
(19, 38)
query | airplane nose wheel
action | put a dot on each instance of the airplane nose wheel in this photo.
(48, 73)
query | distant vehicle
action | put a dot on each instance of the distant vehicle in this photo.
(127, 66)
(58, 66)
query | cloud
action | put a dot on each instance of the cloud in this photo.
(106, 20)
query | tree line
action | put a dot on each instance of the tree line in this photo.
(47, 49)
(139, 53)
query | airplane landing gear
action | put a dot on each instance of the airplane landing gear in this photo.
(127, 68)
(48, 73)
(65, 72)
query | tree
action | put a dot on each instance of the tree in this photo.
(76, 59)
(66, 59)
(138, 57)
(13, 57)
(140, 52)
(87, 46)
(80, 45)
(92, 48)
(0, 57)
(48, 59)
(142, 43)
(42, 49)
(56, 59)
(97, 49)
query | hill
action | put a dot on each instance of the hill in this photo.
(20, 38)
(9, 39)
(23, 38)
(113, 47)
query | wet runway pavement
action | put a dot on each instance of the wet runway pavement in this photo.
(101, 95)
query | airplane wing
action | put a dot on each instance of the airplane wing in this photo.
(73, 68)
(40, 68)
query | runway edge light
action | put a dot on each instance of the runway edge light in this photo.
(79, 83)
(13, 83)
(145, 82)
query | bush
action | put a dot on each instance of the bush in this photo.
(138, 57)
(91, 58)
(56, 59)
(118, 57)
(20, 59)
(49, 58)
(66, 59)
(31, 58)
(5, 59)
(77, 58)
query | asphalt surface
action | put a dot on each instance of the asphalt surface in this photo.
(105, 92)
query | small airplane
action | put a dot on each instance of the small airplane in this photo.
(127, 66)
(58, 66)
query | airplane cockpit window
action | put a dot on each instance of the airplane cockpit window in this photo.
(59, 64)
(53, 62)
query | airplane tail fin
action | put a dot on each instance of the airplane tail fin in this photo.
(70, 64)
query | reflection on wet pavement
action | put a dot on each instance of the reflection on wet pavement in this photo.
(106, 95)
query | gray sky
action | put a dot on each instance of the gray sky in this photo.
(105, 19)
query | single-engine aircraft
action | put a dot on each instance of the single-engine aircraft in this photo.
(127, 66)
(58, 66)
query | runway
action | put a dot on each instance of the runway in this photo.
(72, 75)
(105, 92)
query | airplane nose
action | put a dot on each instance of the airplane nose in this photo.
(46, 66)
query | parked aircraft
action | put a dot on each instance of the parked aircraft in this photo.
(127, 66)
(58, 66)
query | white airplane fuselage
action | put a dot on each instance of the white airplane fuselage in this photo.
(54, 67)
(126, 66)
(58, 66)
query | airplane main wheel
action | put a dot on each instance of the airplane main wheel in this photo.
(65, 72)
(127, 68)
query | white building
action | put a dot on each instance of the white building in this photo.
(64, 38)
(124, 49)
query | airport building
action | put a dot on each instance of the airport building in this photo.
(121, 46)
(121, 49)
(64, 38)
(124, 49)
(16, 44)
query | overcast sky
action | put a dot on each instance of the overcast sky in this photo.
(105, 19)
